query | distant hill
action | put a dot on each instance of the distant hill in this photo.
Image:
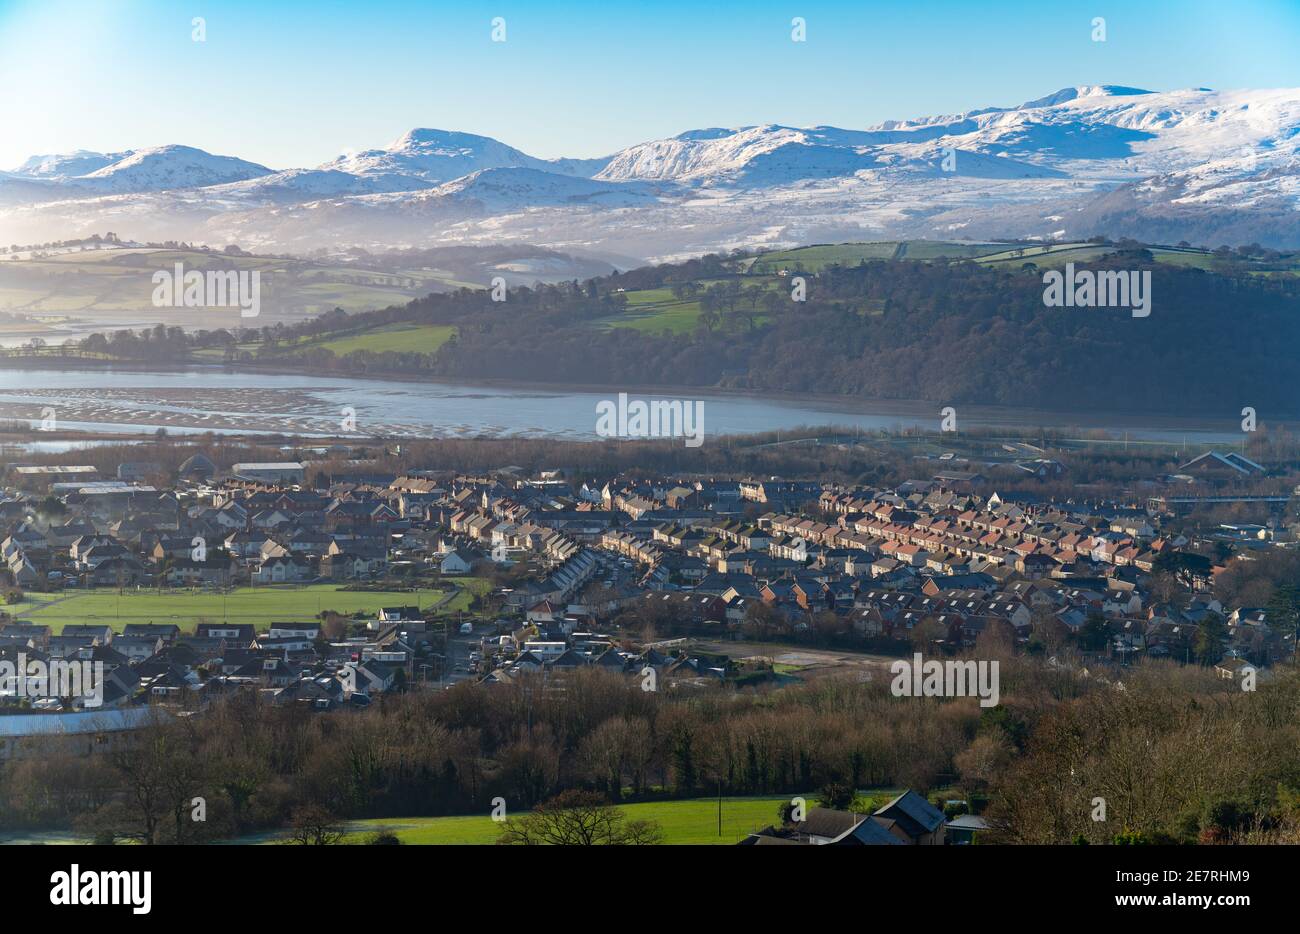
(69, 290)
(947, 322)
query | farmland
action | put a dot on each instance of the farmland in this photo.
(814, 259)
(117, 283)
(660, 311)
(400, 338)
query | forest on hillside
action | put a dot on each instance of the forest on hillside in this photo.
(946, 331)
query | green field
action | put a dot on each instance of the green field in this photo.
(693, 821)
(119, 280)
(260, 606)
(1058, 254)
(658, 310)
(816, 258)
(940, 249)
(403, 338)
(813, 259)
(1046, 254)
(672, 316)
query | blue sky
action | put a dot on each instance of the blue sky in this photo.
(290, 83)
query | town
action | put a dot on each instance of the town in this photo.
(332, 586)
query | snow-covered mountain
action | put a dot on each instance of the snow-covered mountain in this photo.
(430, 157)
(161, 168)
(767, 156)
(167, 168)
(1201, 165)
(67, 165)
(509, 189)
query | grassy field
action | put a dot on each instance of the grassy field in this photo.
(693, 821)
(416, 338)
(658, 310)
(409, 338)
(672, 316)
(470, 587)
(816, 258)
(939, 249)
(119, 280)
(1058, 254)
(260, 606)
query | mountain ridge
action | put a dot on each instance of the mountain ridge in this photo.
(1040, 169)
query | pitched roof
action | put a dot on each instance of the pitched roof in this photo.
(913, 813)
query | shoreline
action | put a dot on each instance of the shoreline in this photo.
(978, 414)
(304, 418)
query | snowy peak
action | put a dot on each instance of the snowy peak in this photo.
(774, 155)
(1084, 91)
(304, 184)
(435, 156)
(502, 189)
(754, 154)
(67, 165)
(164, 168)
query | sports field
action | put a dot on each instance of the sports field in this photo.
(260, 606)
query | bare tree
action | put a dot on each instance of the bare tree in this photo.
(578, 818)
(313, 825)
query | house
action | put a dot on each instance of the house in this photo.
(90, 633)
(963, 829)
(24, 573)
(234, 634)
(348, 566)
(376, 677)
(543, 612)
(172, 546)
(456, 562)
(167, 632)
(121, 571)
(137, 648)
(1235, 669)
(916, 818)
(215, 571)
(827, 827)
(284, 569)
